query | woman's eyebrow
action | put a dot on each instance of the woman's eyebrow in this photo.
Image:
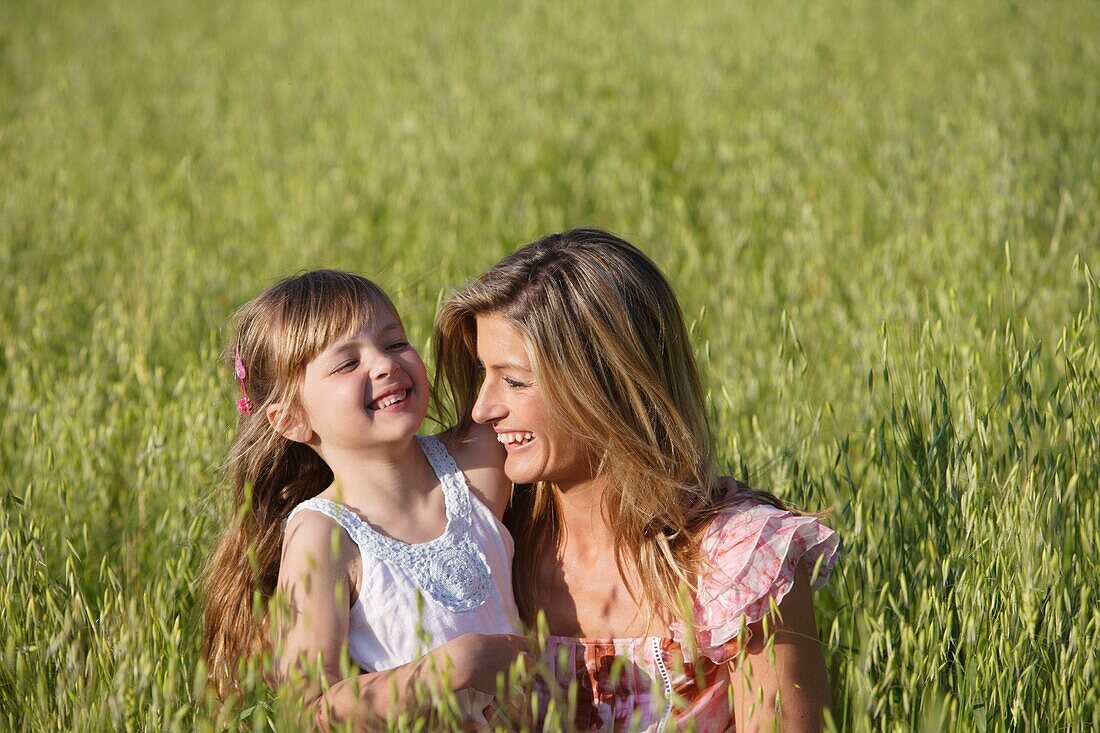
(506, 365)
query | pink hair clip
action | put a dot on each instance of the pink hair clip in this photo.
(244, 404)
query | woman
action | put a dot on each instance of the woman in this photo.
(655, 579)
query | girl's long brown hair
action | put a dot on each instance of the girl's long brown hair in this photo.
(607, 338)
(276, 336)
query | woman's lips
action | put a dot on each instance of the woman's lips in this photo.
(514, 440)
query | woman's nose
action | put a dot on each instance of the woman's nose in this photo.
(487, 408)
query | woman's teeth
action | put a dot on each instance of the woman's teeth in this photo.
(385, 402)
(515, 438)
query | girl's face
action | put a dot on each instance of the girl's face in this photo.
(512, 400)
(365, 390)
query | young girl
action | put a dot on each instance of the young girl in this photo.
(380, 541)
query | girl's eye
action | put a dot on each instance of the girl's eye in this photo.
(347, 366)
(398, 345)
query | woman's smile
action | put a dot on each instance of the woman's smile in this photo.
(514, 441)
(513, 402)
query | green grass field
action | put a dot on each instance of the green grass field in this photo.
(880, 218)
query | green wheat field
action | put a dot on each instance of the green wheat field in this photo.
(882, 219)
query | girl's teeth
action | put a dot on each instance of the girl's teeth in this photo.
(391, 400)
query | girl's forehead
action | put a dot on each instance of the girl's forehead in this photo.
(380, 325)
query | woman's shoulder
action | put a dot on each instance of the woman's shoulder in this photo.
(754, 544)
(752, 527)
(751, 553)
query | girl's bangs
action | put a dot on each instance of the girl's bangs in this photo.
(312, 324)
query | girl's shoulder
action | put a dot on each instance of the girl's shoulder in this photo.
(308, 547)
(312, 524)
(751, 553)
(480, 457)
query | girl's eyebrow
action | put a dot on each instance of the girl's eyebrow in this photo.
(353, 341)
(336, 352)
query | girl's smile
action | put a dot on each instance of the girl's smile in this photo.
(391, 400)
(368, 389)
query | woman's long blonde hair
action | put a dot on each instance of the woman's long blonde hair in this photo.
(607, 338)
(276, 336)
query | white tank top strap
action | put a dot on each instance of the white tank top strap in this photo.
(442, 462)
(346, 518)
(455, 491)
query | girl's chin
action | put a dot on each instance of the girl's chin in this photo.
(398, 428)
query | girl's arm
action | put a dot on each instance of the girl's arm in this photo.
(793, 669)
(472, 661)
(481, 458)
(313, 631)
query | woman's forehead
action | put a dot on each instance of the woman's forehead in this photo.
(501, 343)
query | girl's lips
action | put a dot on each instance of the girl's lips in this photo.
(391, 402)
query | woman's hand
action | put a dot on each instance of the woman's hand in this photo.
(471, 661)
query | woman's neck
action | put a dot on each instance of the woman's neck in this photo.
(583, 521)
(584, 592)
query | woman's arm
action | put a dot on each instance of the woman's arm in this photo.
(311, 632)
(783, 686)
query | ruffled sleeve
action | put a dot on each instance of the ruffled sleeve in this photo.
(751, 552)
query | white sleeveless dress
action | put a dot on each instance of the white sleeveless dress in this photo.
(415, 597)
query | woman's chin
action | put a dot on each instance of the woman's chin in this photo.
(519, 471)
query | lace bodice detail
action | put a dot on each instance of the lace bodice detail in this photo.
(450, 569)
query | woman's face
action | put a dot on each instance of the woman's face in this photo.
(512, 400)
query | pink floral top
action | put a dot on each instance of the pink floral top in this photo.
(654, 683)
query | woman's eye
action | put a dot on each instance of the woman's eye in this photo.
(514, 383)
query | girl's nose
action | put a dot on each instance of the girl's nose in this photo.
(487, 408)
(384, 366)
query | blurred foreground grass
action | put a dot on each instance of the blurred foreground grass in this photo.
(880, 217)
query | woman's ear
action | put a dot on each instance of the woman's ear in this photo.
(289, 422)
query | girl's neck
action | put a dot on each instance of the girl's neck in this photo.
(389, 478)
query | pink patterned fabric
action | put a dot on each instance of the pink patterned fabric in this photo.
(752, 550)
